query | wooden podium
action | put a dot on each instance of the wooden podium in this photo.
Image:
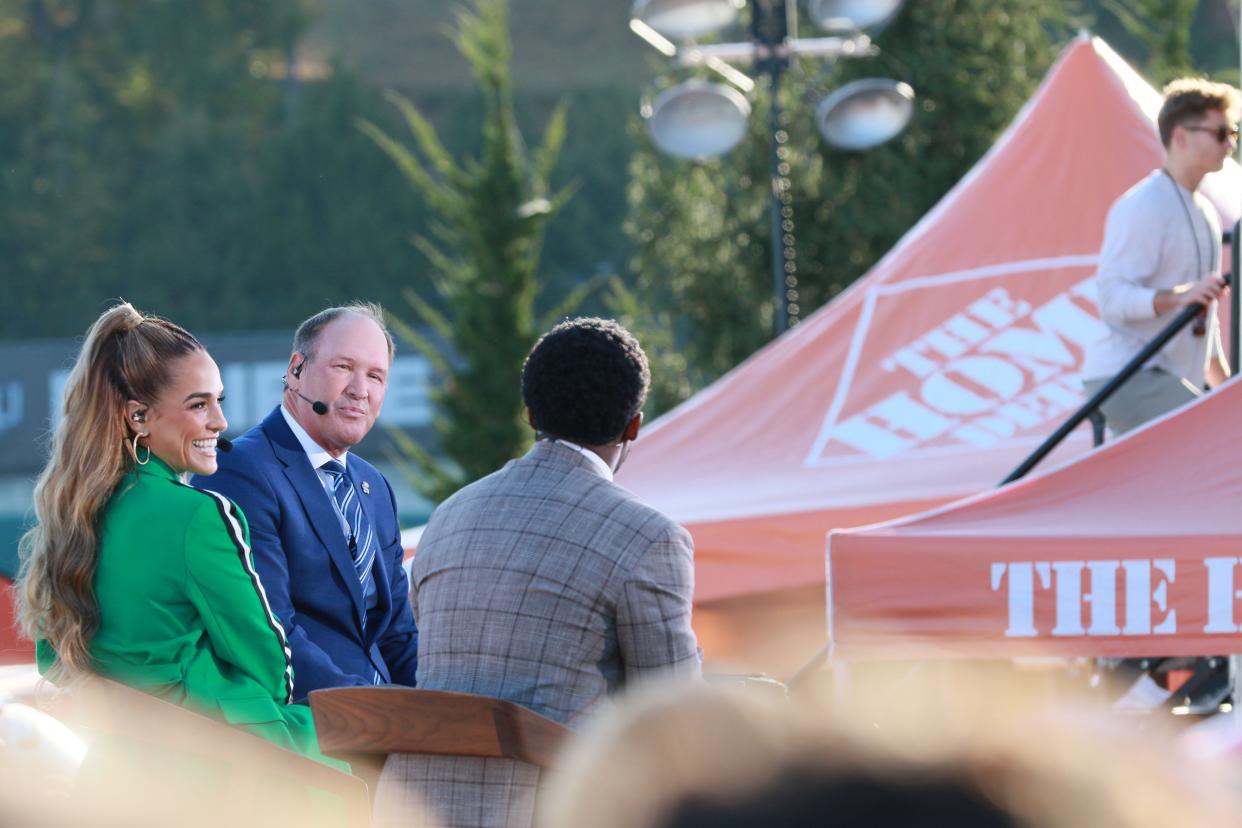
(382, 720)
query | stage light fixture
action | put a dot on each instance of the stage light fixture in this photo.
(865, 113)
(686, 19)
(697, 119)
(851, 15)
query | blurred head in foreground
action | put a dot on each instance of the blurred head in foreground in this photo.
(689, 757)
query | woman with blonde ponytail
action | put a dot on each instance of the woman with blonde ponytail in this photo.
(130, 572)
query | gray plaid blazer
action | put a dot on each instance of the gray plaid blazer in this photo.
(547, 585)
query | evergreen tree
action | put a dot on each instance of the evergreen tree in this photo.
(128, 138)
(1163, 29)
(169, 154)
(701, 231)
(490, 215)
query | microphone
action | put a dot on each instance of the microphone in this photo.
(317, 406)
(224, 445)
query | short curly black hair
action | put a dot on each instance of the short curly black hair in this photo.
(585, 380)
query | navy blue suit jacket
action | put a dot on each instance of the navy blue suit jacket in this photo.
(305, 566)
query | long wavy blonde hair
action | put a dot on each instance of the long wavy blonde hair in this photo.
(126, 356)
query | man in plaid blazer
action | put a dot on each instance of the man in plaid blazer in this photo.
(545, 583)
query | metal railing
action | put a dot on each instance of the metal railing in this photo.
(1184, 317)
(1090, 409)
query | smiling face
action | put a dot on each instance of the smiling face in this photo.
(182, 425)
(348, 371)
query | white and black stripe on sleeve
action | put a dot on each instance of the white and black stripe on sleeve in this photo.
(229, 514)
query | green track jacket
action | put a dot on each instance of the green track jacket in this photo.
(183, 615)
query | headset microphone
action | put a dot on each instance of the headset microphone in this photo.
(317, 406)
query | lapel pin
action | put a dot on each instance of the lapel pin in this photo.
(366, 487)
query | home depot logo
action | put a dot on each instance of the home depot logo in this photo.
(999, 370)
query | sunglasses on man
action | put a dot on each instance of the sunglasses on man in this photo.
(1223, 133)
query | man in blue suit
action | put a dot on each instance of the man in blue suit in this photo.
(323, 522)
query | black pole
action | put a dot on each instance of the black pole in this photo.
(780, 310)
(770, 30)
(1183, 318)
(1235, 299)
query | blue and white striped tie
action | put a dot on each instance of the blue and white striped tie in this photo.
(362, 544)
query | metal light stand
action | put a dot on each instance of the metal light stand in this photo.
(770, 29)
(773, 43)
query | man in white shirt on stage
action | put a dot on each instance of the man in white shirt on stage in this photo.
(1161, 253)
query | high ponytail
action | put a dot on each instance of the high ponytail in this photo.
(126, 356)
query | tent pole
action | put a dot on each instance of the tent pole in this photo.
(842, 692)
(1235, 301)
(1235, 678)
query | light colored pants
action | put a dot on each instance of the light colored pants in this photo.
(1145, 396)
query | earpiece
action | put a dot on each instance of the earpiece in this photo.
(139, 417)
(318, 406)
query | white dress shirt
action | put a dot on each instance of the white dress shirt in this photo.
(318, 455)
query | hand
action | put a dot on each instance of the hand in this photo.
(1203, 292)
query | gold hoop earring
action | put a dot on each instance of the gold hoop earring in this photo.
(133, 449)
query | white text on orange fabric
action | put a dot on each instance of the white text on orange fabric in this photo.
(1087, 601)
(1145, 596)
(982, 376)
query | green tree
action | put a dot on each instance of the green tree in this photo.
(701, 231)
(484, 247)
(174, 154)
(1162, 27)
(129, 134)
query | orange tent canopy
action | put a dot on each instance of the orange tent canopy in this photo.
(936, 373)
(1131, 551)
(14, 649)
